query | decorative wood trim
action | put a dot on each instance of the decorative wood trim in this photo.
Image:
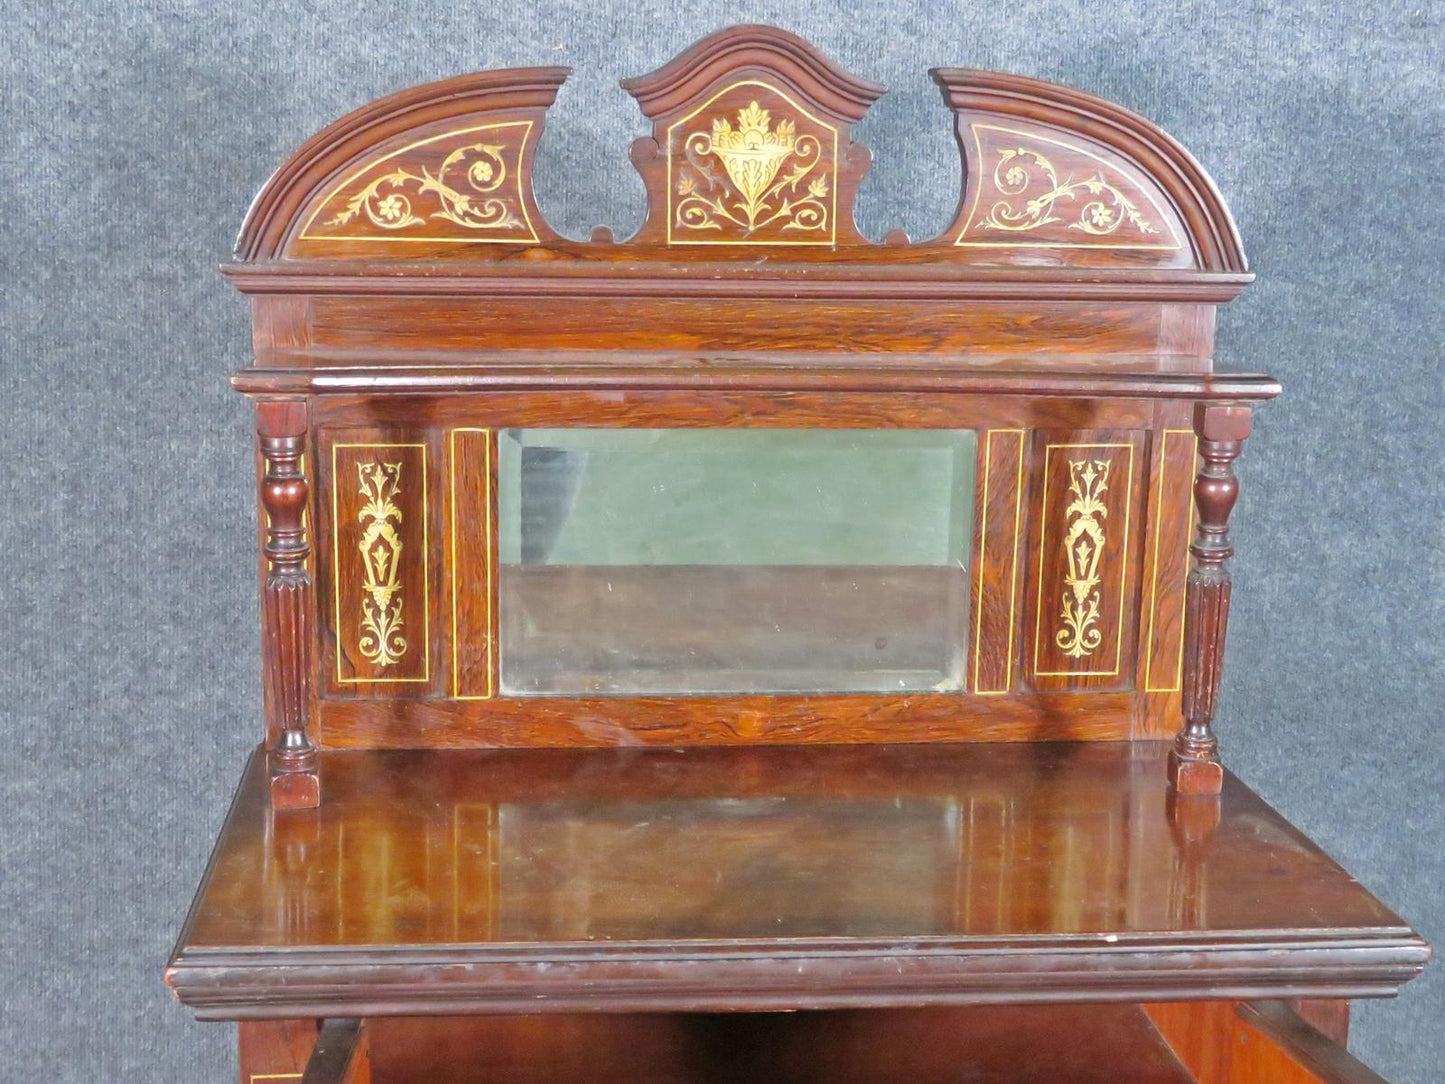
(472, 534)
(744, 47)
(287, 603)
(821, 281)
(1168, 568)
(1194, 766)
(628, 977)
(777, 116)
(1001, 493)
(621, 373)
(727, 72)
(753, 156)
(603, 721)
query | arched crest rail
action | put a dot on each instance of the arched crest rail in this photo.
(751, 152)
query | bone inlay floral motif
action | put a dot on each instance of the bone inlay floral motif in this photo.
(479, 166)
(770, 176)
(381, 641)
(1084, 546)
(1023, 172)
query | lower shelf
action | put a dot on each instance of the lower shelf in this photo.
(1210, 1042)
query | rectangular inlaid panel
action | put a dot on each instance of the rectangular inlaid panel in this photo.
(1168, 564)
(997, 578)
(471, 561)
(1080, 610)
(381, 582)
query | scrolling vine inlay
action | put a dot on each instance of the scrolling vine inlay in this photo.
(485, 172)
(462, 185)
(381, 641)
(1084, 545)
(778, 175)
(1014, 175)
(1034, 191)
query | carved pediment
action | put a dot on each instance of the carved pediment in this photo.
(751, 143)
(428, 172)
(1057, 177)
(751, 149)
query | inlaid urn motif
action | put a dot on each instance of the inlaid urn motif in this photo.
(777, 176)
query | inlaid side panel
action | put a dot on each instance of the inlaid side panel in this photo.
(998, 557)
(472, 560)
(1080, 610)
(381, 554)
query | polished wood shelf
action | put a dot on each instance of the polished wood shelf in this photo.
(836, 876)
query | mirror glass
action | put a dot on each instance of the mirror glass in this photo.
(734, 561)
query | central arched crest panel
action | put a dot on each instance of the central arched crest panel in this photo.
(763, 172)
(751, 144)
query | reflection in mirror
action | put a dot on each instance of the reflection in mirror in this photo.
(734, 561)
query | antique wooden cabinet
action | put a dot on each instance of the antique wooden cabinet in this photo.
(748, 651)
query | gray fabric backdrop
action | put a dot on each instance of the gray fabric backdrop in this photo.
(132, 139)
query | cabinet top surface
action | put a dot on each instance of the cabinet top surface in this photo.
(498, 868)
(534, 847)
(655, 878)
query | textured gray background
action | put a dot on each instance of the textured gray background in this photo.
(132, 139)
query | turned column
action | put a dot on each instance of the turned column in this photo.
(286, 604)
(1194, 766)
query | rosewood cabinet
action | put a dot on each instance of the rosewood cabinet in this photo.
(748, 651)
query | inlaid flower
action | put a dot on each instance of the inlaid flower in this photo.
(391, 208)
